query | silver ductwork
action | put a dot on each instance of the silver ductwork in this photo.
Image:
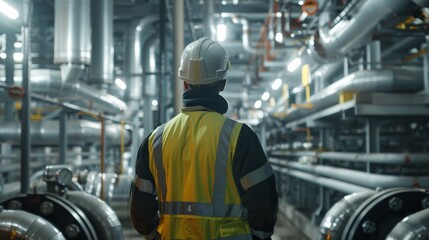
(392, 80)
(72, 41)
(413, 227)
(17, 224)
(78, 132)
(133, 67)
(47, 81)
(101, 70)
(104, 220)
(351, 32)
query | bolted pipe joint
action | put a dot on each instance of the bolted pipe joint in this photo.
(395, 204)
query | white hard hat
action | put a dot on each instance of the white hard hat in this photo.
(203, 62)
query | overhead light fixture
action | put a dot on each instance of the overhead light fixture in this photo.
(297, 90)
(276, 84)
(257, 104)
(279, 37)
(265, 96)
(223, 2)
(17, 44)
(294, 64)
(18, 57)
(8, 10)
(301, 2)
(121, 84)
(154, 103)
(221, 32)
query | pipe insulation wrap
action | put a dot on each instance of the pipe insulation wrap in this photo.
(17, 224)
(413, 227)
(78, 132)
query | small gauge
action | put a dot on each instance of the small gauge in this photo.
(64, 176)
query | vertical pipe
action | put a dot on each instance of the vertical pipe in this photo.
(101, 71)
(178, 48)
(346, 67)
(63, 137)
(372, 138)
(373, 55)
(162, 62)
(426, 65)
(26, 100)
(209, 26)
(9, 72)
(102, 155)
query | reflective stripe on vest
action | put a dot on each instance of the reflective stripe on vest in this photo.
(256, 176)
(144, 185)
(157, 152)
(218, 208)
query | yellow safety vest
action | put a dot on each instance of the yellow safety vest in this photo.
(191, 162)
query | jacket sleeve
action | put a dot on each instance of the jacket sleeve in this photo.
(256, 183)
(143, 205)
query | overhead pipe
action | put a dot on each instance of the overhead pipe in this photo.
(364, 179)
(335, 220)
(78, 132)
(101, 69)
(104, 220)
(391, 80)
(334, 42)
(246, 36)
(17, 224)
(72, 41)
(209, 25)
(138, 33)
(412, 227)
(48, 81)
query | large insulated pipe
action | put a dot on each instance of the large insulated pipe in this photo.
(178, 30)
(209, 25)
(72, 41)
(78, 132)
(104, 220)
(335, 220)
(412, 227)
(17, 224)
(150, 52)
(391, 80)
(101, 69)
(133, 67)
(351, 32)
(47, 81)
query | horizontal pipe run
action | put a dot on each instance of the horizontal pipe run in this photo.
(367, 180)
(378, 158)
(326, 182)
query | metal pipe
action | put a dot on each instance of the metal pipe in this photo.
(246, 36)
(78, 132)
(391, 80)
(412, 227)
(63, 138)
(72, 41)
(162, 62)
(326, 182)
(178, 16)
(48, 81)
(330, 43)
(335, 220)
(104, 220)
(9, 107)
(101, 70)
(150, 81)
(367, 180)
(209, 26)
(379, 158)
(17, 224)
(426, 66)
(26, 100)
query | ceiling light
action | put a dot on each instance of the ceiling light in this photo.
(3, 55)
(17, 44)
(276, 84)
(279, 37)
(223, 2)
(17, 57)
(121, 84)
(297, 90)
(294, 64)
(257, 104)
(154, 103)
(265, 96)
(8, 10)
(301, 2)
(221, 32)
(278, 14)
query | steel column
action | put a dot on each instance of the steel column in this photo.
(63, 137)
(9, 72)
(426, 66)
(178, 29)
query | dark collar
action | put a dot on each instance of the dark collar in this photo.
(207, 99)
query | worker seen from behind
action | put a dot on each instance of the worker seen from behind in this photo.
(202, 175)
